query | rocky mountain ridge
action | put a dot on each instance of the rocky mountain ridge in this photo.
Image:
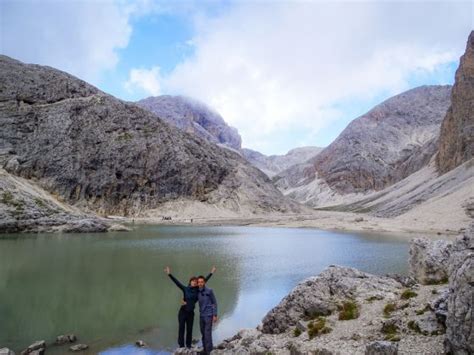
(274, 164)
(193, 117)
(111, 157)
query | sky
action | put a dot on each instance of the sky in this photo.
(284, 73)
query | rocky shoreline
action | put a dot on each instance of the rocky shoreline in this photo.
(346, 311)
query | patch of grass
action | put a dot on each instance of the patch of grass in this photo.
(434, 291)
(414, 326)
(126, 136)
(391, 331)
(373, 298)
(443, 281)
(407, 294)
(388, 309)
(297, 332)
(419, 312)
(39, 202)
(318, 327)
(7, 197)
(348, 310)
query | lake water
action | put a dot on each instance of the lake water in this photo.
(110, 289)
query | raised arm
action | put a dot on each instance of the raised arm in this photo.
(213, 270)
(174, 279)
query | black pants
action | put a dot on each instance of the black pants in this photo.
(186, 320)
(205, 324)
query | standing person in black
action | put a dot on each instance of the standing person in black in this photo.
(186, 311)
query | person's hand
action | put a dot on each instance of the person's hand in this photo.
(213, 269)
(183, 302)
(214, 319)
(168, 270)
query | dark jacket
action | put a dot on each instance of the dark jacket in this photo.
(207, 303)
(190, 294)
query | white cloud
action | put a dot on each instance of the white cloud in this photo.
(80, 37)
(146, 80)
(273, 67)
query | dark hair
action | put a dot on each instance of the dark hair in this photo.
(193, 278)
(201, 277)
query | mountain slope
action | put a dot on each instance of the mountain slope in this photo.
(113, 157)
(193, 117)
(376, 150)
(274, 164)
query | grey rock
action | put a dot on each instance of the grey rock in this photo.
(78, 347)
(193, 117)
(116, 227)
(428, 324)
(113, 157)
(381, 348)
(429, 260)
(440, 305)
(140, 343)
(320, 295)
(456, 143)
(460, 322)
(6, 351)
(65, 339)
(38, 347)
(25, 207)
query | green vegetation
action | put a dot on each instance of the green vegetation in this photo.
(373, 298)
(414, 326)
(318, 327)
(422, 310)
(407, 294)
(348, 310)
(391, 332)
(297, 332)
(443, 281)
(388, 309)
(7, 198)
(126, 136)
(39, 202)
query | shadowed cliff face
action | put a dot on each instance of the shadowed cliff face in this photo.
(193, 117)
(390, 142)
(96, 151)
(456, 143)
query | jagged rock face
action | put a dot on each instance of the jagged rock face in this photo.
(429, 260)
(390, 142)
(274, 164)
(193, 117)
(460, 322)
(456, 143)
(99, 152)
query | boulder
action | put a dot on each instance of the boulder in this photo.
(440, 305)
(79, 347)
(6, 351)
(429, 260)
(427, 324)
(38, 347)
(322, 294)
(140, 343)
(119, 228)
(459, 321)
(65, 339)
(381, 348)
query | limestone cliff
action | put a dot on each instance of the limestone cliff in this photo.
(456, 143)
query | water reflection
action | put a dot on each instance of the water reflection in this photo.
(110, 289)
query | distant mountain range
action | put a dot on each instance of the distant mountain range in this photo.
(70, 152)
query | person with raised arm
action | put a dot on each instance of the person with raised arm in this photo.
(186, 311)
